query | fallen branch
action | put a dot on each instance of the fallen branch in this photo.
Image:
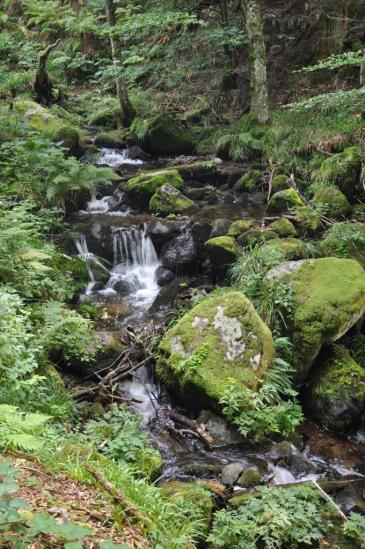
(197, 428)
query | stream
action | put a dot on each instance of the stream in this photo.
(126, 260)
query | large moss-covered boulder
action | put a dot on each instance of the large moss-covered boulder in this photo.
(143, 186)
(343, 169)
(283, 227)
(167, 136)
(333, 200)
(38, 117)
(284, 200)
(222, 252)
(239, 227)
(337, 393)
(69, 139)
(248, 182)
(345, 240)
(328, 299)
(283, 249)
(220, 339)
(169, 200)
(113, 139)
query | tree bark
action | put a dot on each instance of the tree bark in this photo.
(128, 113)
(362, 72)
(257, 54)
(43, 87)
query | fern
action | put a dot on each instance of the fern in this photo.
(19, 430)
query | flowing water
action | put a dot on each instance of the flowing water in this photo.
(116, 157)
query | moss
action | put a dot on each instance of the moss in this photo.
(285, 249)
(343, 169)
(169, 200)
(335, 202)
(222, 252)
(191, 494)
(239, 227)
(280, 183)
(219, 340)
(39, 118)
(329, 300)
(345, 240)
(69, 138)
(167, 136)
(250, 478)
(114, 139)
(144, 185)
(198, 170)
(283, 227)
(284, 200)
(337, 394)
(248, 182)
(256, 236)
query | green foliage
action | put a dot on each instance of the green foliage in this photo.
(347, 59)
(271, 409)
(344, 101)
(274, 518)
(354, 529)
(192, 366)
(118, 435)
(19, 430)
(345, 240)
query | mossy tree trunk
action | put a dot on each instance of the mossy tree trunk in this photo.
(257, 53)
(43, 87)
(128, 113)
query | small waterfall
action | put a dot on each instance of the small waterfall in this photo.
(89, 259)
(115, 158)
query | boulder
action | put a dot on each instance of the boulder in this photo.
(283, 227)
(220, 339)
(167, 136)
(328, 299)
(162, 230)
(69, 139)
(280, 183)
(333, 200)
(201, 231)
(222, 252)
(219, 430)
(337, 393)
(250, 478)
(231, 472)
(343, 170)
(220, 227)
(283, 249)
(248, 182)
(179, 254)
(164, 276)
(143, 186)
(239, 227)
(38, 117)
(284, 200)
(169, 200)
(205, 170)
(113, 139)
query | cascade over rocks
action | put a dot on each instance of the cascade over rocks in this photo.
(328, 299)
(220, 339)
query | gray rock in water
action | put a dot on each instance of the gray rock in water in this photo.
(220, 431)
(164, 276)
(179, 254)
(220, 227)
(231, 473)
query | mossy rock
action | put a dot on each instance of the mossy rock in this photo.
(222, 252)
(256, 236)
(168, 200)
(280, 183)
(343, 170)
(143, 186)
(283, 227)
(328, 299)
(284, 200)
(112, 140)
(337, 394)
(69, 139)
(333, 200)
(194, 496)
(222, 340)
(239, 227)
(38, 117)
(250, 478)
(284, 249)
(248, 182)
(167, 136)
(345, 240)
(356, 346)
(198, 170)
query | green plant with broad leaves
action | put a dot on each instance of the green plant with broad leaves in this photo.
(354, 529)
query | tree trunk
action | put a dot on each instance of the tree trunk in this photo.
(257, 54)
(43, 87)
(362, 72)
(128, 113)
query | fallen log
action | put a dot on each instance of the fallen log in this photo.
(192, 425)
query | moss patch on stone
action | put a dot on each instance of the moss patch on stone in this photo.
(284, 200)
(69, 139)
(256, 236)
(248, 182)
(168, 200)
(167, 136)
(343, 169)
(280, 183)
(283, 227)
(144, 185)
(113, 139)
(239, 227)
(333, 200)
(337, 396)
(285, 249)
(38, 117)
(220, 339)
(222, 252)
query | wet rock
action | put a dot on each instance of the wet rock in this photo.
(220, 227)
(161, 231)
(250, 478)
(167, 136)
(222, 252)
(167, 199)
(203, 171)
(201, 231)
(350, 501)
(223, 338)
(234, 176)
(228, 198)
(300, 465)
(121, 287)
(220, 431)
(164, 276)
(337, 395)
(136, 153)
(258, 198)
(281, 451)
(168, 294)
(197, 193)
(179, 254)
(231, 473)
